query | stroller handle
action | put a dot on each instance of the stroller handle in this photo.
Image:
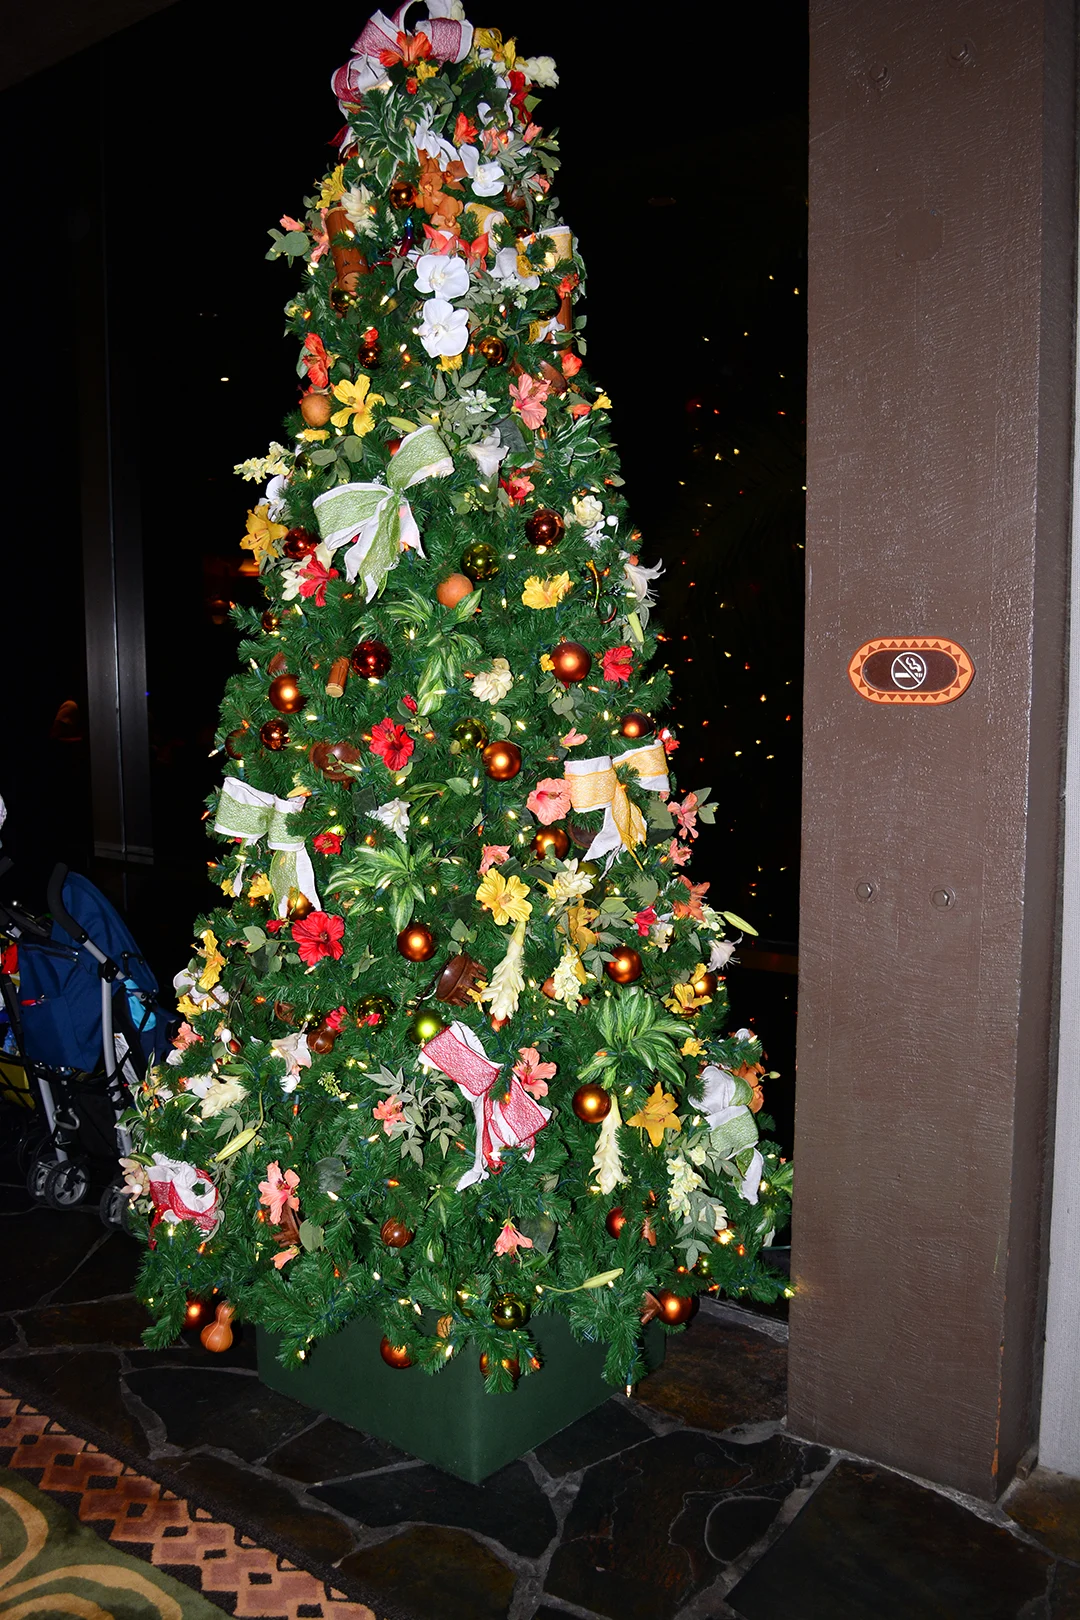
(13, 916)
(55, 897)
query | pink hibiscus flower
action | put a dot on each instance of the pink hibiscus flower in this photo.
(318, 935)
(550, 799)
(618, 663)
(278, 1191)
(678, 852)
(314, 578)
(493, 855)
(510, 1240)
(533, 1074)
(643, 920)
(517, 486)
(390, 1112)
(391, 743)
(327, 843)
(528, 395)
(185, 1037)
(685, 814)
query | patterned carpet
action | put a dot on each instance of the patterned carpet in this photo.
(159, 1550)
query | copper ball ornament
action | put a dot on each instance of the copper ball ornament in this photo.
(372, 1011)
(545, 528)
(551, 841)
(395, 1355)
(371, 659)
(625, 965)
(424, 1027)
(416, 942)
(470, 733)
(285, 694)
(571, 661)
(270, 620)
(395, 1234)
(453, 589)
(502, 760)
(234, 743)
(511, 1363)
(615, 1220)
(675, 1308)
(509, 1311)
(635, 724)
(457, 978)
(285, 1011)
(316, 409)
(705, 984)
(299, 543)
(330, 757)
(342, 299)
(480, 561)
(493, 349)
(369, 355)
(402, 194)
(548, 987)
(274, 735)
(321, 1040)
(592, 1104)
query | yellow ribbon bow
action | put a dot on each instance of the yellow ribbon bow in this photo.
(594, 786)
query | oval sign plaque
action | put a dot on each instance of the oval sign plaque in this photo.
(911, 669)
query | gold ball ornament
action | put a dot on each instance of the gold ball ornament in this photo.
(316, 409)
(635, 724)
(416, 942)
(705, 984)
(480, 561)
(674, 1308)
(424, 1027)
(551, 841)
(502, 760)
(493, 349)
(571, 661)
(274, 735)
(545, 528)
(402, 194)
(453, 589)
(625, 965)
(592, 1104)
(444, 1326)
(395, 1355)
(297, 906)
(615, 1220)
(395, 1234)
(270, 620)
(285, 694)
(509, 1311)
(470, 733)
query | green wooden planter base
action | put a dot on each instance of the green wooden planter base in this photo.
(450, 1419)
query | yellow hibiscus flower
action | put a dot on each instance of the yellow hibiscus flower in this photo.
(262, 536)
(545, 593)
(357, 403)
(504, 898)
(658, 1115)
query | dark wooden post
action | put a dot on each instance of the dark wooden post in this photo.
(941, 297)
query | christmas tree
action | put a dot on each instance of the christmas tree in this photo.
(454, 1047)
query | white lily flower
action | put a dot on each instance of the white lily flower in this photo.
(394, 815)
(356, 202)
(639, 579)
(540, 70)
(492, 685)
(275, 498)
(443, 274)
(444, 330)
(294, 1053)
(720, 955)
(489, 453)
(488, 180)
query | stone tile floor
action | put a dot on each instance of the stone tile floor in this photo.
(689, 1502)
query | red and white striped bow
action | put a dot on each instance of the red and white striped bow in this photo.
(512, 1120)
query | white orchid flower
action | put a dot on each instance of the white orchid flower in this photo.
(428, 144)
(506, 271)
(443, 274)
(275, 497)
(488, 180)
(444, 330)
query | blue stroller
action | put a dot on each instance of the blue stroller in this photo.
(86, 1022)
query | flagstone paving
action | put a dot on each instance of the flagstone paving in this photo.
(689, 1502)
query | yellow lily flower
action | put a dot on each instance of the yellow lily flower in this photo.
(332, 187)
(691, 1047)
(683, 998)
(424, 70)
(260, 887)
(357, 403)
(312, 434)
(504, 898)
(186, 1006)
(545, 593)
(262, 536)
(657, 1116)
(211, 973)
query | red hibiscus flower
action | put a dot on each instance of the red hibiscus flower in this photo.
(643, 920)
(392, 744)
(318, 935)
(314, 579)
(669, 740)
(315, 360)
(327, 843)
(618, 663)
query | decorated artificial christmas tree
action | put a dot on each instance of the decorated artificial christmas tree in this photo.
(454, 1051)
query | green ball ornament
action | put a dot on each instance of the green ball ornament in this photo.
(480, 561)
(509, 1311)
(703, 1266)
(471, 733)
(373, 1011)
(424, 1027)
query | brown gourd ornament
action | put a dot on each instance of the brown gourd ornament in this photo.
(218, 1335)
(395, 1234)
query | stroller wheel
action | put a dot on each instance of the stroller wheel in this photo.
(114, 1207)
(35, 1177)
(66, 1184)
(30, 1145)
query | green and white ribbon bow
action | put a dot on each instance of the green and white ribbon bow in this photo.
(248, 813)
(375, 517)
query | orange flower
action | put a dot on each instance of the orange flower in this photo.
(410, 48)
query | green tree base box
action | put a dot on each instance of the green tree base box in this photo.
(450, 1420)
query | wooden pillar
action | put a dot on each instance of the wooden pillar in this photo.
(941, 298)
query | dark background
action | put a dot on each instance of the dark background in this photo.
(185, 138)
